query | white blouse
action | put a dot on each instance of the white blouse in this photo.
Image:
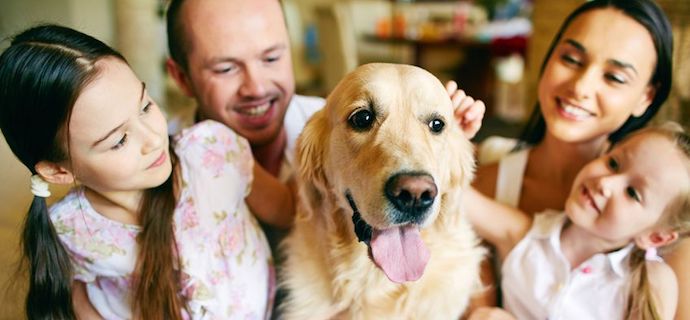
(539, 283)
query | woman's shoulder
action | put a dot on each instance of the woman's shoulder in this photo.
(494, 148)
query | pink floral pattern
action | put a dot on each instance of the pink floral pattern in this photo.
(226, 262)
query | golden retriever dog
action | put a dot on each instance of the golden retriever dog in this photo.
(379, 233)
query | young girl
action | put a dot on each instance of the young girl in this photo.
(597, 260)
(152, 231)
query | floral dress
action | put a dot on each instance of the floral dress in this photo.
(227, 269)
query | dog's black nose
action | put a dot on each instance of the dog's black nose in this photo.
(411, 193)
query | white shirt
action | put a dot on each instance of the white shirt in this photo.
(539, 283)
(511, 171)
(301, 108)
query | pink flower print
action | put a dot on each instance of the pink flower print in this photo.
(228, 142)
(213, 161)
(192, 139)
(219, 276)
(236, 305)
(202, 292)
(122, 237)
(189, 217)
(188, 285)
(232, 240)
(230, 243)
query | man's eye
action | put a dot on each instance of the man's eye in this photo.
(632, 193)
(224, 68)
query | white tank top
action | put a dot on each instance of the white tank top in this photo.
(511, 170)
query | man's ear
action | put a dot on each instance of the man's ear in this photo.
(656, 238)
(54, 173)
(179, 75)
(645, 101)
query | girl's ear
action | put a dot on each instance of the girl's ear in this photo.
(54, 173)
(656, 238)
(645, 101)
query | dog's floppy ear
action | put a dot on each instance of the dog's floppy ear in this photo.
(463, 164)
(310, 154)
(461, 160)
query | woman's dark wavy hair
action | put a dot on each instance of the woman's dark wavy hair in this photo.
(42, 73)
(648, 14)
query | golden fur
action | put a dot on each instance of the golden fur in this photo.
(328, 273)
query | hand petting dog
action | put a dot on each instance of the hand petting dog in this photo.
(468, 112)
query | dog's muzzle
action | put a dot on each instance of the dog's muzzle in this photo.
(412, 194)
(397, 250)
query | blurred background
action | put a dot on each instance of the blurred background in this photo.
(492, 48)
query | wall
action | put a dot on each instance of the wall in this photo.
(91, 16)
(678, 104)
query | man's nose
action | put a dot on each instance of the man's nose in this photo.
(253, 82)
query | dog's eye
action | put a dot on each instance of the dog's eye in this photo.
(436, 125)
(361, 119)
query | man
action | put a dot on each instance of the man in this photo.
(233, 57)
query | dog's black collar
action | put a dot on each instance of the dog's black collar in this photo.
(362, 229)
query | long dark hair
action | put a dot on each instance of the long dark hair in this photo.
(649, 15)
(42, 73)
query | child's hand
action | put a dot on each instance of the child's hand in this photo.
(490, 313)
(468, 112)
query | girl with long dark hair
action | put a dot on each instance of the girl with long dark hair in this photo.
(153, 228)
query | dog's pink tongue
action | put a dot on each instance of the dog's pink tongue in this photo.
(400, 253)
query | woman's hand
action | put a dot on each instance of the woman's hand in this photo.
(468, 112)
